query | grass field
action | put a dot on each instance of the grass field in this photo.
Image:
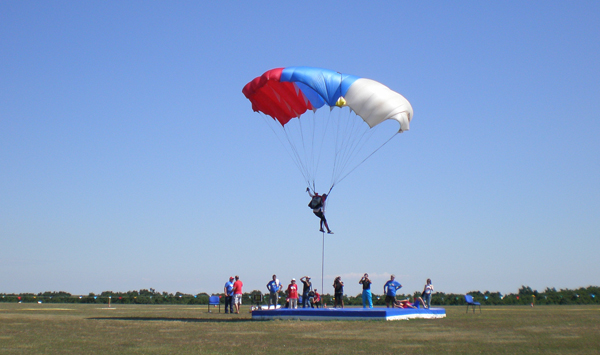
(151, 329)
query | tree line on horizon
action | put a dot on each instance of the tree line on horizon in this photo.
(525, 296)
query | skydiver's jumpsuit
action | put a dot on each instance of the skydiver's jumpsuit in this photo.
(320, 211)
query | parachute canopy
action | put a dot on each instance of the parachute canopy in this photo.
(286, 93)
(323, 138)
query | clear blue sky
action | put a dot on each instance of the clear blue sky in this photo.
(130, 159)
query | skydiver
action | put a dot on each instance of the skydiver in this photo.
(318, 205)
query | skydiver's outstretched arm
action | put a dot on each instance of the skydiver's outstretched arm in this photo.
(310, 193)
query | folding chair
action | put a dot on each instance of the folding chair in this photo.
(470, 302)
(213, 301)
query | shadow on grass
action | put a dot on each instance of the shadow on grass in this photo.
(168, 319)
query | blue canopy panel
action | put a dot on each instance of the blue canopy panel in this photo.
(328, 84)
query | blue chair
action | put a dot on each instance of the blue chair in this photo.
(213, 301)
(470, 302)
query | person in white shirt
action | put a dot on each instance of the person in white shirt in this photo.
(427, 291)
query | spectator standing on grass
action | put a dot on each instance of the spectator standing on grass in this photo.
(237, 293)
(338, 296)
(366, 293)
(427, 291)
(390, 289)
(274, 286)
(228, 290)
(306, 288)
(292, 294)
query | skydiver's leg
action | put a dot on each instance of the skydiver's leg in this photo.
(321, 216)
(324, 221)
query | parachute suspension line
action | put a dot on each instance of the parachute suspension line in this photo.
(300, 162)
(361, 143)
(325, 123)
(381, 146)
(317, 141)
(337, 134)
(353, 132)
(339, 143)
(348, 133)
(354, 127)
(357, 145)
(292, 154)
(311, 156)
(338, 137)
(309, 128)
(344, 153)
(309, 174)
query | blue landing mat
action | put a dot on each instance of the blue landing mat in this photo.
(349, 313)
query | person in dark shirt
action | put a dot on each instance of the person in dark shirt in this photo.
(338, 297)
(307, 286)
(366, 293)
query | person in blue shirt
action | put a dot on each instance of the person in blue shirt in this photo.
(228, 290)
(390, 289)
(274, 286)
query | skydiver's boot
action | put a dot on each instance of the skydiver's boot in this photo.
(326, 226)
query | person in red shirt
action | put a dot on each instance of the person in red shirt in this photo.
(237, 293)
(292, 292)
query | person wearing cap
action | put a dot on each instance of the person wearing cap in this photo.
(306, 287)
(274, 286)
(390, 289)
(228, 291)
(292, 294)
